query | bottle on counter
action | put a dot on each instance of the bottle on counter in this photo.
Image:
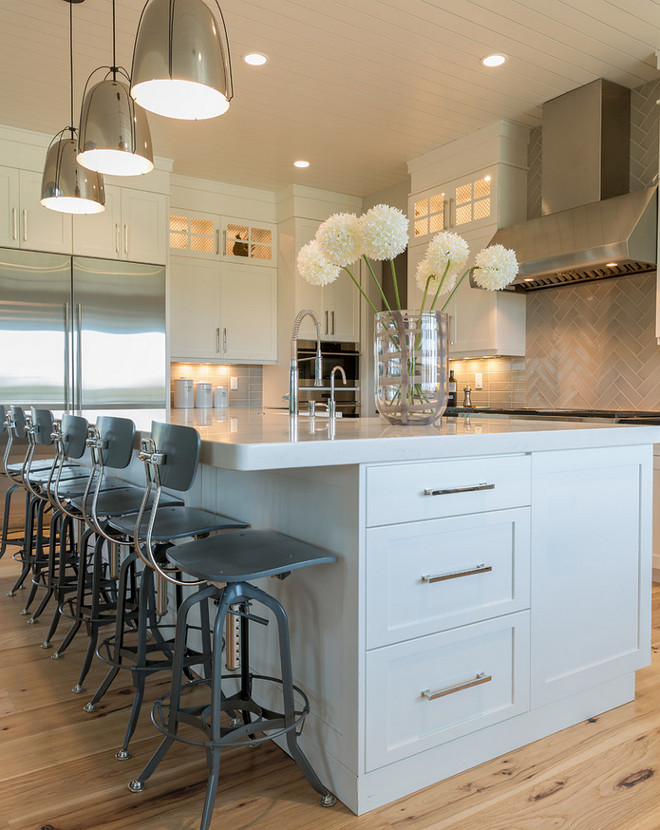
(451, 387)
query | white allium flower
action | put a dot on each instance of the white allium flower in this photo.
(314, 268)
(426, 269)
(339, 239)
(384, 232)
(497, 266)
(447, 247)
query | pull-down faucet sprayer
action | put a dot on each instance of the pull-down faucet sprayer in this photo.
(293, 368)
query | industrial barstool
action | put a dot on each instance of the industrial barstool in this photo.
(111, 442)
(225, 566)
(40, 430)
(32, 477)
(150, 647)
(14, 424)
(59, 577)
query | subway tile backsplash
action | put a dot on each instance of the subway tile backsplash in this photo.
(250, 385)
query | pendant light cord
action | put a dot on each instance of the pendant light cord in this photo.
(114, 44)
(71, 127)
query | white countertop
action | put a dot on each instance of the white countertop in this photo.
(247, 439)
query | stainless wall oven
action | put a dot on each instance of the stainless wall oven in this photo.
(333, 354)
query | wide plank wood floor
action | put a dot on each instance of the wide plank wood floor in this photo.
(59, 772)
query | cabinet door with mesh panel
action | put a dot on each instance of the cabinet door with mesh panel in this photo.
(194, 234)
(249, 242)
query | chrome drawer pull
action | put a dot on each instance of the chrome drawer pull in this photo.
(469, 488)
(478, 680)
(478, 569)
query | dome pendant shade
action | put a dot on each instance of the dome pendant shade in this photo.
(66, 186)
(181, 64)
(114, 135)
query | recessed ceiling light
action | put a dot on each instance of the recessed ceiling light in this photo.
(494, 60)
(255, 59)
(301, 163)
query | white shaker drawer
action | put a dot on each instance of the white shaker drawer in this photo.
(435, 689)
(433, 489)
(425, 577)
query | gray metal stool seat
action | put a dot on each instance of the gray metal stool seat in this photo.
(225, 566)
(151, 645)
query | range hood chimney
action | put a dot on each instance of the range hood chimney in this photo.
(591, 227)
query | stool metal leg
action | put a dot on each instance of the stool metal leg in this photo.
(327, 798)
(137, 784)
(216, 709)
(55, 522)
(5, 520)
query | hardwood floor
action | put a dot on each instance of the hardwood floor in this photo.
(59, 771)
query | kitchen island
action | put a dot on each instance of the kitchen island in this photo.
(493, 583)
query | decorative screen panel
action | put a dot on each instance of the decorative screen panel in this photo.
(429, 215)
(189, 233)
(248, 241)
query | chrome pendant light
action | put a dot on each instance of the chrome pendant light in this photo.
(181, 63)
(114, 135)
(66, 186)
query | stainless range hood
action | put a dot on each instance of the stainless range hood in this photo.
(592, 228)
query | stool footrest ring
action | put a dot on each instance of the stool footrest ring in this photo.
(198, 716)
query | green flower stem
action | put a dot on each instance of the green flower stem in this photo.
(379, 286)
(437, 293)
(396, 284)
(426, 289)
(360, 289)
(449, 298)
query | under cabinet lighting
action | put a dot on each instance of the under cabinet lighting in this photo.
(494, 60)
(301, 163)
(611, 264)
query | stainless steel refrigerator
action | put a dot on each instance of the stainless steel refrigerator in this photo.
(80, 333)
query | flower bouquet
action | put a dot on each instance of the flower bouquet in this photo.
(410, 347)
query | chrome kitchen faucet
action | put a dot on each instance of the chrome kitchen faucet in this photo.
(293, 367)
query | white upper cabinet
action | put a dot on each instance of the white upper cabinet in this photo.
(133, 226)
(489, 193)
(336, 305)
(248, 313)
(24, 221)
(222, 312)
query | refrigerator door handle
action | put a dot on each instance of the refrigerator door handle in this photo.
(79, 350)
(68, 355)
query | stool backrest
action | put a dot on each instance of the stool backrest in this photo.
(18, 418)
(117, 436)
(180, 447)
(42, 426)
(74, 435)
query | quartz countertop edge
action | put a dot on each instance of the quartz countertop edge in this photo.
(248, 439)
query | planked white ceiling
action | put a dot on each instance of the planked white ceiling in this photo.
(357, 87)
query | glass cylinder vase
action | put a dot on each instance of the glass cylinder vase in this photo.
(411, 366)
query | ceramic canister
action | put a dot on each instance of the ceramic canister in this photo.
(184, 393)
(220, 397)
(203, 395)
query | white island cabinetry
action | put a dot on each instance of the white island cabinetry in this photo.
(492, 587)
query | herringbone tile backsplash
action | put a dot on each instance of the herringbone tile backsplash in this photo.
(592, 346)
